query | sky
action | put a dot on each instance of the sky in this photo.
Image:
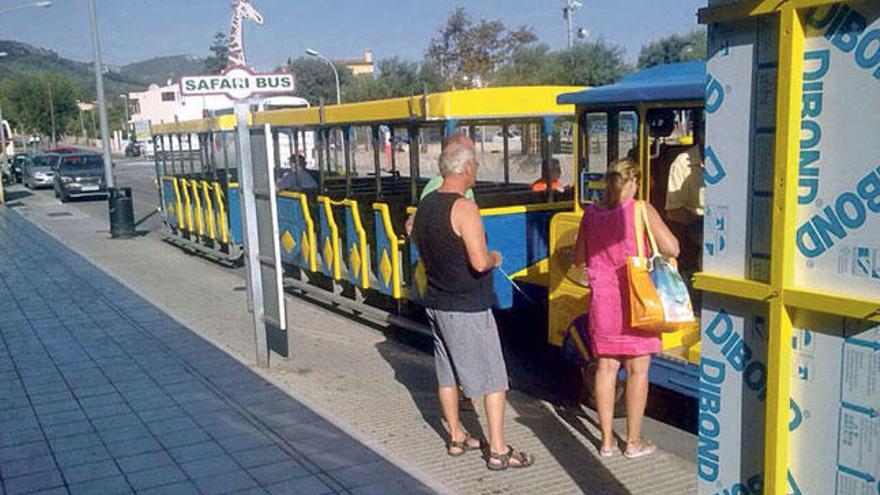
(135, 30)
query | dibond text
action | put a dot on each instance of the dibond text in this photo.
(816, 64)
(848, 213)
(846, 28)
(714, 94)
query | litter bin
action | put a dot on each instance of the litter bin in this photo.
(121, 212)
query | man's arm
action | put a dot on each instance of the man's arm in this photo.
(467, 223)
(678, 191)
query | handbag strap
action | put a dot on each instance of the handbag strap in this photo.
(638, 223)
(642, 225)
(648, 229)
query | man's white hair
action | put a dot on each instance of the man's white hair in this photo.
(455, 158)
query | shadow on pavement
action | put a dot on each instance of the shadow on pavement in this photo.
(145, 218)
(569, 452)
(15, 195)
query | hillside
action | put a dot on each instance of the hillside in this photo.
(160, 69)
(23, 58)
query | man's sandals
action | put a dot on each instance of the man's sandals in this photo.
(511, 459)
(455, 449)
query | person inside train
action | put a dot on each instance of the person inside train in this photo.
(606, 239)
(540, 185)
(685, 199)
(295, 178)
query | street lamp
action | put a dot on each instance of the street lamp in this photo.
(102, 105)
(127, 118)
(43, 5)
(314, 53)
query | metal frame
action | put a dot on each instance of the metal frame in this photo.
(781, 294)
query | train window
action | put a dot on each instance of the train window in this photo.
(400, 143)
(429, 151)
(335, 157)
(627, 134)
(524, 142)
(362, 150)
(597, 142)
(563, 151)
(489, 145)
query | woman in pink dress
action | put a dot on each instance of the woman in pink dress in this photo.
(605, 240)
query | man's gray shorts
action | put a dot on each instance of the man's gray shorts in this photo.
(467, 351)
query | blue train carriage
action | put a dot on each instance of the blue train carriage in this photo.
(650, 115)
(372, 161)
(196, 175)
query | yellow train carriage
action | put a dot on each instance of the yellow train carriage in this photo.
(372, 161)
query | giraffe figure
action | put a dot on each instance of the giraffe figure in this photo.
(241, 9)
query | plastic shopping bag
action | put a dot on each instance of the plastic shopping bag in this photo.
(674, 297)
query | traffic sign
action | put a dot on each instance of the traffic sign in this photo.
(237, 83)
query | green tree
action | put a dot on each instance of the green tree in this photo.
(595, 63)
(30, 108)
(674, 48)
(216, 61)
(315, 81)
(469, 54)
(396, 77)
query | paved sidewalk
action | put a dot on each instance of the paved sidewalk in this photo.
(101, 392)
(369, 381)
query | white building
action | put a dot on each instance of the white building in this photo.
(164, 104)
(161, 104)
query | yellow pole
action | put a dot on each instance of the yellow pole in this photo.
(788, 113)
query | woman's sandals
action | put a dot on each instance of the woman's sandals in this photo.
(455, 449)
(511, 459)
(639, 448)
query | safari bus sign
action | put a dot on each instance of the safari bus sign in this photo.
(237, 83)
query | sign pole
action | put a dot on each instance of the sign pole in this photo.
(259, 206)
(252, 246)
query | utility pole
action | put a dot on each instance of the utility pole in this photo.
(82, 125)
(51, 112)
(568, 9)
(127, 118)
(102, 104)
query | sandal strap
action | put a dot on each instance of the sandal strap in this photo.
(464, 445)
(523, 459)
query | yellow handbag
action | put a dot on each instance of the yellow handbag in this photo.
(645, 307)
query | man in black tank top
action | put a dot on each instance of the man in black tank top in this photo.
(449, 233)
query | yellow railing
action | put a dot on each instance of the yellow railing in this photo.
(395, 243)
(178, 199)
(311, 247)
(332, 250)
(197, 206)
(221, 217)
(209, 210)
(362, 261)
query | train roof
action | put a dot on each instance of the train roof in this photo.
(685, 81)
(484, 104)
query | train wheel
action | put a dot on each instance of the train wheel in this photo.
(588, 374)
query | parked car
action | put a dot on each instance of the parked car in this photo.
(133, 149)
(79, 175)
(38, 172)
(66, 150)
(18, 163)
(512, 135)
